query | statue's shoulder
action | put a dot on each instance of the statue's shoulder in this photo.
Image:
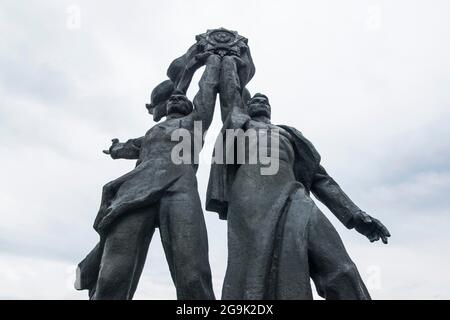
(188, 120)
(185, 122)
(149, 131)
(282, 130)
(294, 133)
(300, 141)
(290, 130)
(157, 127)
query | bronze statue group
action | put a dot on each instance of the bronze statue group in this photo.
(278, 239)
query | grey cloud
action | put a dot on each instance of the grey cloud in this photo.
(375, 103)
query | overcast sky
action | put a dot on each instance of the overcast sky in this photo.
(366, 81)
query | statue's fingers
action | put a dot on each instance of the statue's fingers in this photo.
(106, 152)
(385, 231)
(374, 237)
(202, 57)
(382, 228)
(381, 232)
(373, 228)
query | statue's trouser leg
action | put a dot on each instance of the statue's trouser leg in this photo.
(230, 87)
(334, 273)
(124, 254)
(183, 234)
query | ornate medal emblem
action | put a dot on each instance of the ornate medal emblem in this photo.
(222, 41)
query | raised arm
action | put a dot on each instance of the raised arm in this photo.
(125, 150)
(196, 62)
(236, 119)
(205, 99)
(330, 194)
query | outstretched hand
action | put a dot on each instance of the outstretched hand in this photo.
(372, 228)
(113, 148)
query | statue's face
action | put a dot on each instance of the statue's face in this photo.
(259, 106)
(178, 103)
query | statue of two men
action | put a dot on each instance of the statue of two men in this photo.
(277, 237)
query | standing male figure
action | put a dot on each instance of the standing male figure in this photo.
(157, 193)
(277, 237)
